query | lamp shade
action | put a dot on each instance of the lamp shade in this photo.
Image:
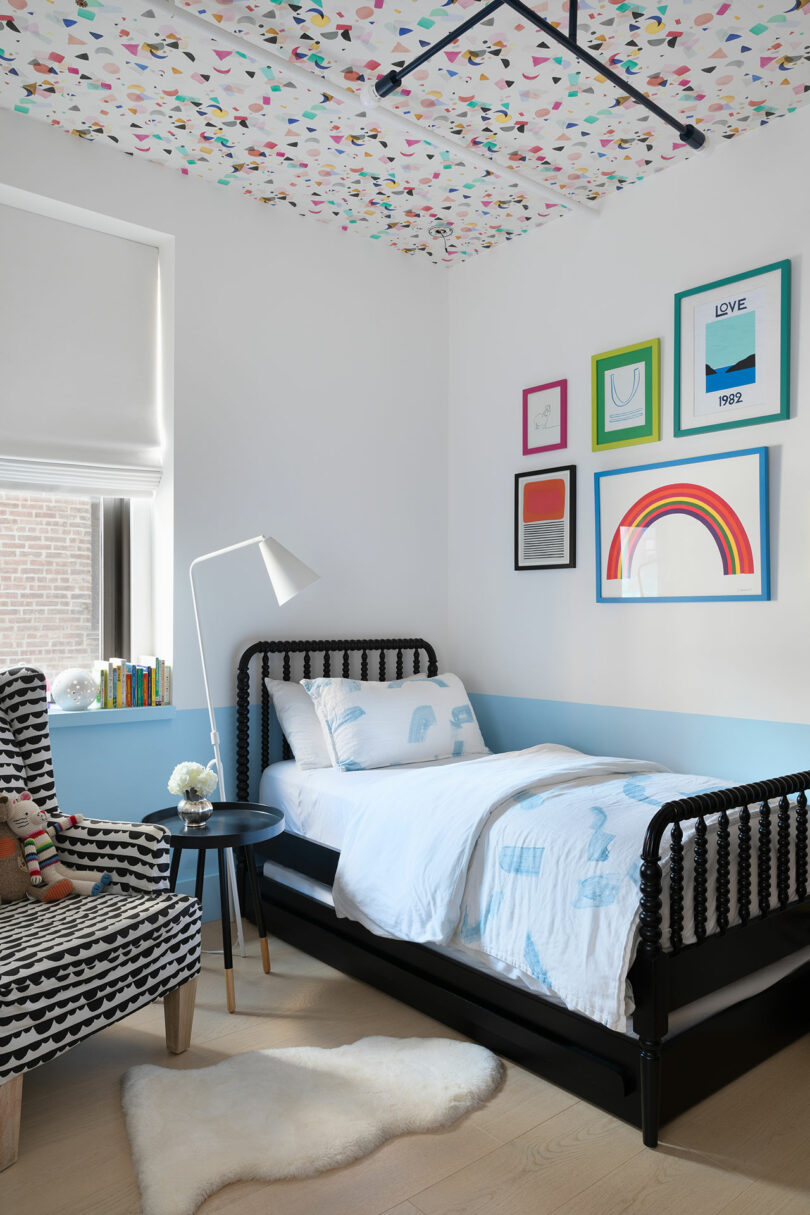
(287, 574)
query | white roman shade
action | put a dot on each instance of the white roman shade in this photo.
(79, 358)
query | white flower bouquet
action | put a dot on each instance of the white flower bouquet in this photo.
(193, 781)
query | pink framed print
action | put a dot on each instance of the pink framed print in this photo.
(545, 417)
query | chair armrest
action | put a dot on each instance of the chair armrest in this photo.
(136, 855)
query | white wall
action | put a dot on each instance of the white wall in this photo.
(536, 311)
(310, 403)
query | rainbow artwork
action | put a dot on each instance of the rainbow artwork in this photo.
(682, 498)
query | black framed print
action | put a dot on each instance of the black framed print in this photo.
(545, 519)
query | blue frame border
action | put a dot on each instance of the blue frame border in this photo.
(764, 532)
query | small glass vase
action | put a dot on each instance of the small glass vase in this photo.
(194, 809)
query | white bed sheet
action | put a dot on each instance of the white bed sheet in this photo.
(320, 804)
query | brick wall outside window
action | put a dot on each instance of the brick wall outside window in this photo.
(49, 581)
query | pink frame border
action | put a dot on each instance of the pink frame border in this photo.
(563, 387)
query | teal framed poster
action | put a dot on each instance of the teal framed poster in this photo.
(732, 351)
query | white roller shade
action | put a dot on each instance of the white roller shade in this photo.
(78, 350)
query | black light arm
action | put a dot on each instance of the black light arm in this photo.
(389, 83)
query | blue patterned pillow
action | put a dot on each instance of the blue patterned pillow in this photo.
(404, 721)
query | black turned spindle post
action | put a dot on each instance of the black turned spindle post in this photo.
(723, 889)
(744, 866)
(382, 666)
(783, 853)
(307, 665)
(286, 675)
(364, 665)
(265, 711)
(764, 859)
(345, 664)
(327, 664)
(676, 887)
(399, 664)
(416, 662)
(701, 885)
(242, 732)
(650, 1033)
(801, 845)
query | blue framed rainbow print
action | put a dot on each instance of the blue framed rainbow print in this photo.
(684, 530)
(732, 351)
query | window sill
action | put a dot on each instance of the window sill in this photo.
(109, 717)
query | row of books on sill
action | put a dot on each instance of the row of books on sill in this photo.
(132, 685)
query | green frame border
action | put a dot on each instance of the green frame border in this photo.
(784, 267)
(650, 429)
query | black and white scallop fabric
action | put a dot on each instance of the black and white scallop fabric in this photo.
(25, 746)
(72, 968)
(136, 855)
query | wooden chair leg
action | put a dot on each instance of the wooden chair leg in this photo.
(178, 1013)
(10, 1110)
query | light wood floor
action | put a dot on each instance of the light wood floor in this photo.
(533, 1150)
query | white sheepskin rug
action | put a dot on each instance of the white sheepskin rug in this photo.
(273, 1114)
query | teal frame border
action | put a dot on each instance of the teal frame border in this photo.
(784, 267)
(764, 536)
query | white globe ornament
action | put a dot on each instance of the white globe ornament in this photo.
(74, 689)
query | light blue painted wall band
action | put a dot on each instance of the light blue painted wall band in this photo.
(736, 749)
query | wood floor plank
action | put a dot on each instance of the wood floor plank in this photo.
(653, 1183)
(558, 1159)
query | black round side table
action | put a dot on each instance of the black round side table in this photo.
(232, 825)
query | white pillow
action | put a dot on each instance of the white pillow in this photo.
(300, 723)
(404, 721)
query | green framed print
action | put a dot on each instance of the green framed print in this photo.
(625, 395)
(732, 351)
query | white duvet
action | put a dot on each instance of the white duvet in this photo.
(530, 857)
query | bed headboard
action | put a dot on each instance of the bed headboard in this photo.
(349, 659)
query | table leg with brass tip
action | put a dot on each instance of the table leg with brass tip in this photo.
(253, 882)
(226, 929)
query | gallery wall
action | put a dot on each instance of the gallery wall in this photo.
(724, 681)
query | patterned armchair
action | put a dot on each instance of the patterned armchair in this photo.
(70, 968)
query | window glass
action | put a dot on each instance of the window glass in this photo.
(50, 570)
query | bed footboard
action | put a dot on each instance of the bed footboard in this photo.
(736, 883)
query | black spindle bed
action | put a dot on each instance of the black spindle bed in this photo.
(645, 1080)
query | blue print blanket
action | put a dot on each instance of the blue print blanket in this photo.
(530, 858)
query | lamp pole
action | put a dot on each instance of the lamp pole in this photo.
(288, 575)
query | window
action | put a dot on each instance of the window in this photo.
(65, 580)
(85, 522)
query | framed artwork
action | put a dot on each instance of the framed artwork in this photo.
(546, 519)
(545, 417)
(625, 395)
(732, 351)
(684, 530)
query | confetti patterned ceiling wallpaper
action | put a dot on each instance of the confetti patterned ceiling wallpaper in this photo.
(124, 74)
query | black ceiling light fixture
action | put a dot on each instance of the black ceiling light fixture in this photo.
(392, 80)
(441, 231)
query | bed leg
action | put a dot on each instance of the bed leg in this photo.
(650, 1092)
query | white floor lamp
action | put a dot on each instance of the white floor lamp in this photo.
(288, 575)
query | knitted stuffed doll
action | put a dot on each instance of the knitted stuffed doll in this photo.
(33, 827)
(15, 880)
